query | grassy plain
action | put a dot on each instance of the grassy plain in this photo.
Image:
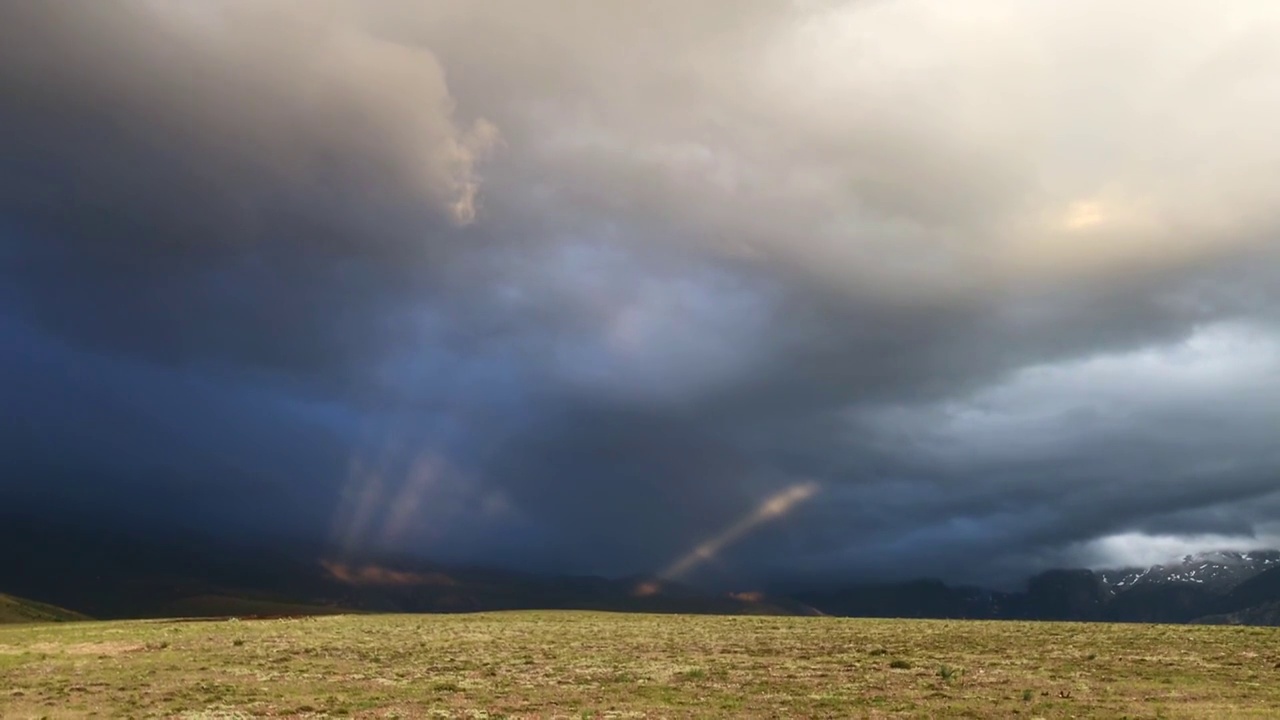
(596, 665)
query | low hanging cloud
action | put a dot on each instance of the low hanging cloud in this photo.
(579, 286)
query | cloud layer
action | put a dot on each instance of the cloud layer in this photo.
(584, 286)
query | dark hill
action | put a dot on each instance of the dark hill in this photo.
(135, 574)
(19, 610)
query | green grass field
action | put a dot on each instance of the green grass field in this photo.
(578, 665)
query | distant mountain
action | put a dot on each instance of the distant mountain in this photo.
(1223, 586)
(914, 599)
(1052, 595)
(132, 575)
(1217, 571)
(1161, 603)
(1264, 614)
(1065, 595)
(424, 589)
(1260, 588)
(1205, 584)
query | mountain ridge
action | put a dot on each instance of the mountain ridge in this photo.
(130, 575)
(1216, 568)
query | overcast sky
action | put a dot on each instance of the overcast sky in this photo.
(861, 290)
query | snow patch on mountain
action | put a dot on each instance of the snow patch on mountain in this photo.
(1218, 570)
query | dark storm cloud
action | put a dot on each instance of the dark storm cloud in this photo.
(578, 286)
(225, 181)
(85, 433)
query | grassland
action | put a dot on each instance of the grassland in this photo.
(578, 665)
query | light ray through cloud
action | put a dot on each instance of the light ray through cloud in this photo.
(775, 507)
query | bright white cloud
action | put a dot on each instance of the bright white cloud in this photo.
(1134, 549)
(937, 145)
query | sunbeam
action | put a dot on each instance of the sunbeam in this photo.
(774, 507)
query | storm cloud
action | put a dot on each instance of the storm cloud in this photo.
(753, 290)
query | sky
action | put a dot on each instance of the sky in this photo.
(736, 290)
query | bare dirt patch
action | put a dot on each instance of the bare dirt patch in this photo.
(98, 649)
